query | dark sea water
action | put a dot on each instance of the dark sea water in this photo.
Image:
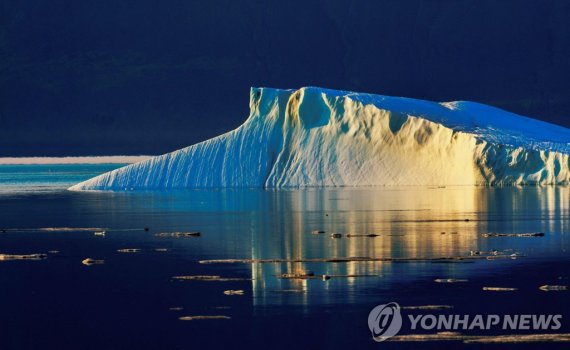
(132, 301)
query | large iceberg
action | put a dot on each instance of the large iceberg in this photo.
(319, 137)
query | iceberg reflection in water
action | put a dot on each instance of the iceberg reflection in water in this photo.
(410, 222)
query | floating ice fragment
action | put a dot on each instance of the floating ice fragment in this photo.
(532, 234)
(372, 235)
(450, 280)
(178, 234)
(548, 288)
(22, 257)
(129, 250)
(213, 317)
(427, 307)
(233, 292)
(90, 262)
(500, 289)
(209, 278)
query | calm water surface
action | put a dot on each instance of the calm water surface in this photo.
(127, 303)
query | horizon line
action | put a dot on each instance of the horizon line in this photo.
(73, 160)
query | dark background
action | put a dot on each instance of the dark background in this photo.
(146, 77)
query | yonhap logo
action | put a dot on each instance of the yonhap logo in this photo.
(385, 321)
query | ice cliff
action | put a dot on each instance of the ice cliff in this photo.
(320, 137)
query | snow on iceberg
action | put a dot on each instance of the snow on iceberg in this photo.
(320, 137)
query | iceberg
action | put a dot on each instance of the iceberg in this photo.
(314, 137)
